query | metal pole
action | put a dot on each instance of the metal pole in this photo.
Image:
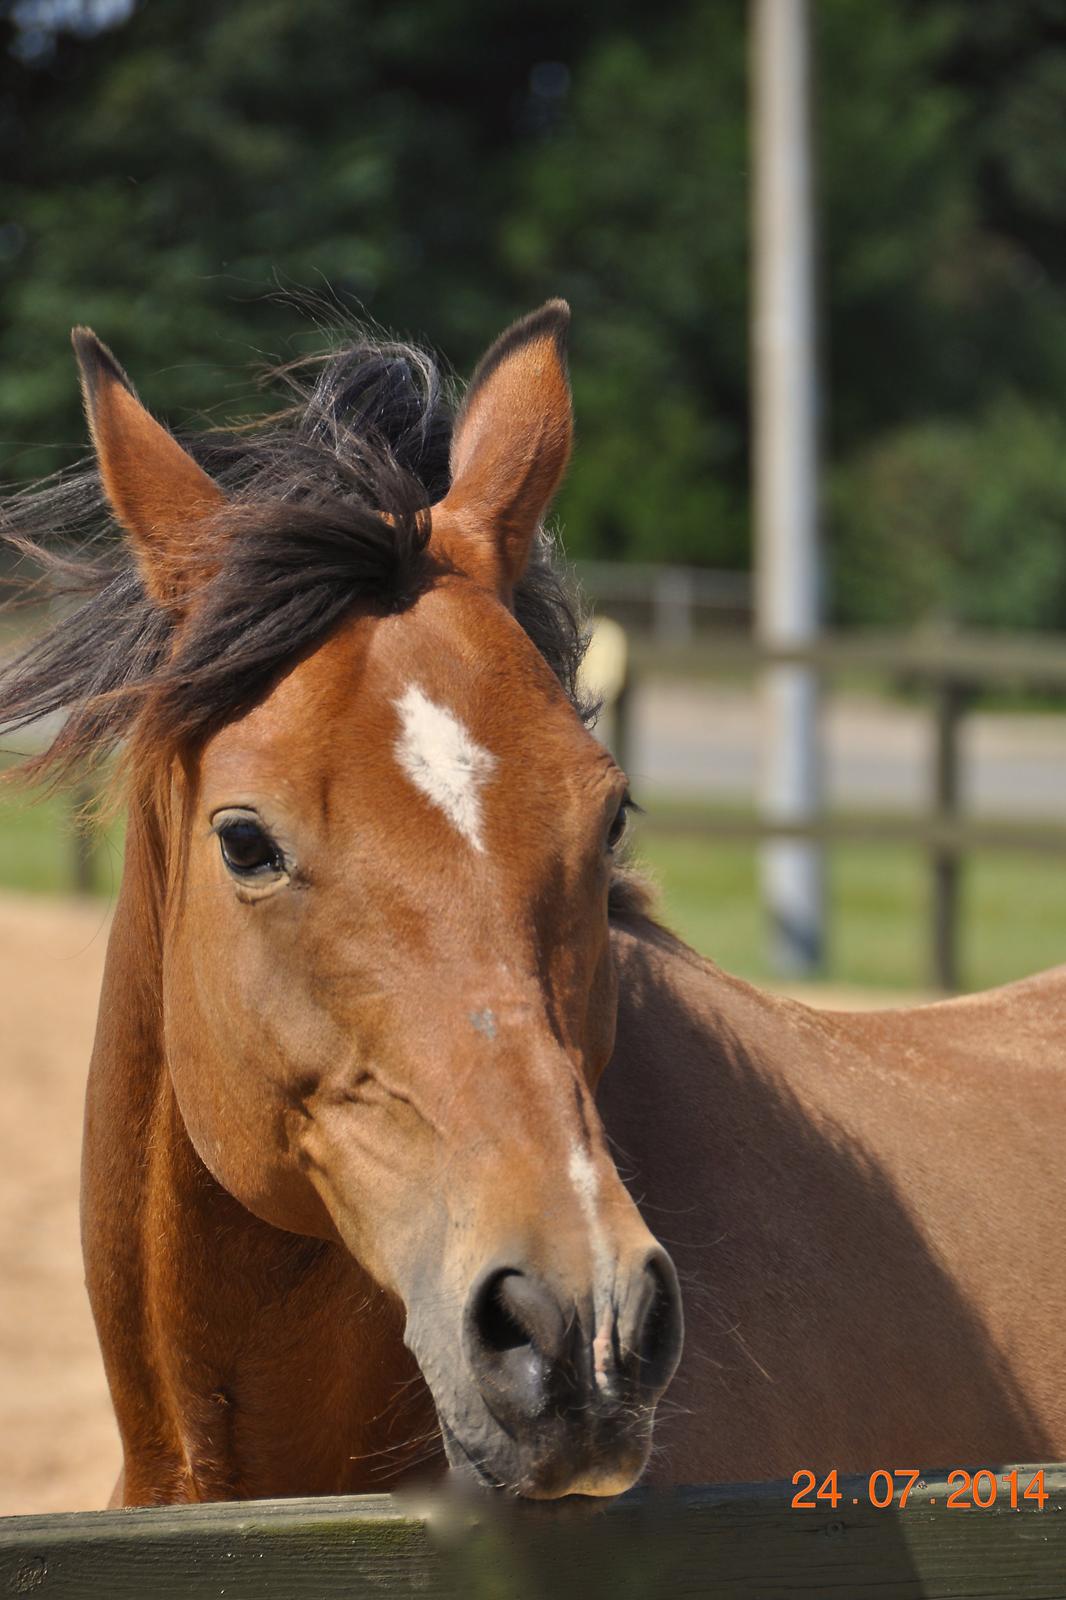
(786, 472)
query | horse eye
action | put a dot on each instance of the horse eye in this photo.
(248, 850)
(618, 826)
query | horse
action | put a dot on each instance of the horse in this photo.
(396, 1067)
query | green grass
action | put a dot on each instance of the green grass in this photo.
(1013, 910)
(38, 846)
(1014, 906)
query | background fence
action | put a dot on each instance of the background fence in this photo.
(949, 672)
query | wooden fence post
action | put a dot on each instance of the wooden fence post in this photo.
(950, 697)
(672, 606)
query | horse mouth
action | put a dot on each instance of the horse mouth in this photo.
(466, 1467)
(585, 1483)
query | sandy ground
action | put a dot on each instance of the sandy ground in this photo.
(58, 1445)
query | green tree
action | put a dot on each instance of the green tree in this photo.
(443, 164)
(160, 180)
(956, 521)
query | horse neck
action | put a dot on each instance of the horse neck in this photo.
(215, 1328)
(677, 1006)
(704, 1064)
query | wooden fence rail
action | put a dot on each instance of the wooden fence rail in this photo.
(720, 1543)
(952, 668)
(1000, 660)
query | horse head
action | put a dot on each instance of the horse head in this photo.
(383, 841)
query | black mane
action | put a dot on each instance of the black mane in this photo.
(326, 503)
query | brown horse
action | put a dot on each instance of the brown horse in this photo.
(346, 1192)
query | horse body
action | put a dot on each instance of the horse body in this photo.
(346, 1179)
(867, 1211)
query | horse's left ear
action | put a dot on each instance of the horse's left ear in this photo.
(510, 448)
(155, 488)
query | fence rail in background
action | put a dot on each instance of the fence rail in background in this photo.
(952, 668)
(982, 660)
(733, 1542)
(672, 604)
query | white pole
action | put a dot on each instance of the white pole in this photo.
(786, 472)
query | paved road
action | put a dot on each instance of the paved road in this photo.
(702, 740)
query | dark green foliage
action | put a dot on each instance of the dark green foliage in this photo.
(956, 522)
(163, 180)
(444, 164)
(640, 203)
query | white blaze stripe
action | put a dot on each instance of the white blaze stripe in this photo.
(443, 761)
(585, 1179)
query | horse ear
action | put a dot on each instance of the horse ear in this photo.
(156, 490)
(511, 443)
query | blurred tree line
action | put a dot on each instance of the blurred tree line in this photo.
(170, 170)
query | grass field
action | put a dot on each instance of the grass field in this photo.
(1014, 907)
(38, 846)
(1013, 918)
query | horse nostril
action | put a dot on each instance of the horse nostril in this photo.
(530, 1356)
(509, 1310)
(495, 1316)
(660, 1328)
(513, 1338)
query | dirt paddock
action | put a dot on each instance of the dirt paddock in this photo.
(58, 1445)
(59, 1449)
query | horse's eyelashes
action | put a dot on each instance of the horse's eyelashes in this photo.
(617, 829)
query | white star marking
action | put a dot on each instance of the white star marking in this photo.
(443, 761)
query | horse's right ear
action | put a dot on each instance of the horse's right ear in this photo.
(510, 448)
(156, 490)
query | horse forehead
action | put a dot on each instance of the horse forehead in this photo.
(440, 757)
(442, 691)
(456, 672)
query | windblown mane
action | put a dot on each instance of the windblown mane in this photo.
(326, 503)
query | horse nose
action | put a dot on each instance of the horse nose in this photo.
(650, 1337)
(516, 1336)
(531, 1353)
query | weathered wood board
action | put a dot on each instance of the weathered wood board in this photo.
(719, 1543)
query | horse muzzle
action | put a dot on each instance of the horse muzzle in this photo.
(556, 1396)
